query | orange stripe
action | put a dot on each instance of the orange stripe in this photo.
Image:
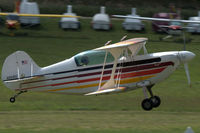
(126, 75)
(126, 81)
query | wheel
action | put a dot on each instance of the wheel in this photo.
(147, 104)
(156, 101)
(12, 99)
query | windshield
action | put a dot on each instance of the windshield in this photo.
(92, 57)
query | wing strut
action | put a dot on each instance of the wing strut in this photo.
(116, 52)
(125, 55)
(112, 85)
(103, 69)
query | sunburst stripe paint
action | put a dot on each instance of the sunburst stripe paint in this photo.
(122, 76)
(131, 63)
(127, 75)
(126, 81)
(137, 68)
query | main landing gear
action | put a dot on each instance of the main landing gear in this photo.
(152, 102)
(12, 99)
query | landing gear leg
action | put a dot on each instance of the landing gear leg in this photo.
(12, 99)
(152, 102)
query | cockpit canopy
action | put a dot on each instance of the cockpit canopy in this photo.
(92, 57)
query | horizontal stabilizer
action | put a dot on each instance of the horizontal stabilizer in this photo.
(107, 91)
(18, 83)
(23, 80)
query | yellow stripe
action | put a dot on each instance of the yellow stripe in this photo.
(76, 87)
(132, 80)
(126, 81)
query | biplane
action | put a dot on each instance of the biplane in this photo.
(12, 19)
(112, 68)
(173, 27)
(15, 19)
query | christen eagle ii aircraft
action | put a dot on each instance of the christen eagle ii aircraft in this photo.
(109, 69)
(173, 29)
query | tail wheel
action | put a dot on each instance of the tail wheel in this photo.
(12, 99)
(147, 104)
(155, 101)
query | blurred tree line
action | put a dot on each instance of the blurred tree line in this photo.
(90, 7)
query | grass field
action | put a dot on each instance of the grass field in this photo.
(44, 112)
(97, 121)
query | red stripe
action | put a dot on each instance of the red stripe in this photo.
(136, 68)
(127, 75)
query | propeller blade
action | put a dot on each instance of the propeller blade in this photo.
(168, 36)
(187, 73)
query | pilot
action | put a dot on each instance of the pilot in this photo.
(84, 61)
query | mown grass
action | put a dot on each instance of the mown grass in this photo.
(45, 112)
(97, 121)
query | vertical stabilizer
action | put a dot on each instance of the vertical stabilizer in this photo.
(17, 66)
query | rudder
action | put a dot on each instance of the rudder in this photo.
(18, 65)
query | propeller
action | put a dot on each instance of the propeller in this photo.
(187, 73)
(185, 57)
(166, 37)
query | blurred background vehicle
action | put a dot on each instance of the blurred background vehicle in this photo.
(133, 24)
(70, 22)
(101, 21)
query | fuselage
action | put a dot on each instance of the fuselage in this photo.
(132, 72)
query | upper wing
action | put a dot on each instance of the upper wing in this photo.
(38, 15)
(134, 45)
(157, 19)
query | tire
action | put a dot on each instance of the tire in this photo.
(12, 99)
(147, 104)
(155, 101)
